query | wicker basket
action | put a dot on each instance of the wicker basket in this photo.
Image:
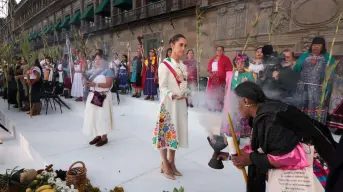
(77, 176)
(10, 189)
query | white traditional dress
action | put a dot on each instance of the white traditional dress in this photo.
(171, 129)
(60, 73)
(97, 120)
(51, 74)
(77, 87)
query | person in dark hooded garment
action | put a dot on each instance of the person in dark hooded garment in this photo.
(334, 182)
(277, 129)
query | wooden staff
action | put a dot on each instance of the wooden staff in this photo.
(139, 38)
(160, 51)
(128, 58)
(245, 175)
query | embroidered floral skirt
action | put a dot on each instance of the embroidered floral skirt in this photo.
(171, 128)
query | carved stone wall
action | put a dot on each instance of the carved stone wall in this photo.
(76, 6)
(295, 24)
(231, 21)
(314, 13)
(51, 19)
(292, 25)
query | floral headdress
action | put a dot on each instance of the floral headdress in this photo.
(241, 58)
(154, 60)
(155, 51)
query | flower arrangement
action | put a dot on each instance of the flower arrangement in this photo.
(43, 180)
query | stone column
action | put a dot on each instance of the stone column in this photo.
(82, 9)
(96, 17)
(143, 9)
(134, 4)
(71, 15)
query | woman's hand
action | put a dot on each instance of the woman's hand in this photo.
(241, 161)
(178, 97)
(224, 156)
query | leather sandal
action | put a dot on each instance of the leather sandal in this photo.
(167, 173)
(175, 171)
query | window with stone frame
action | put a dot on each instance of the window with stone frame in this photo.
(151, 43)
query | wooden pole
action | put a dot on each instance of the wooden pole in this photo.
(245, 175)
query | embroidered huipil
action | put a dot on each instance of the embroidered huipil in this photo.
(309, 90)
(171, 128)
(191, 71)
(150, 67)
(255, 68)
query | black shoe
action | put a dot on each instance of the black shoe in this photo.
(15, 106)
(134, 95)
(101, 142)
(95, 140)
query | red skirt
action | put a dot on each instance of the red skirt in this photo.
(136, 86)
(67, 83)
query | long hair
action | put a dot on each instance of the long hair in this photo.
(169, 49)
(126, 58)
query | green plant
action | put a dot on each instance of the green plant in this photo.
(179, 190)
(199, 22)
(25, 48)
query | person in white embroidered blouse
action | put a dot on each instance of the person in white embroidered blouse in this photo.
(77, 85)
(98, 120)
(171, 128)
(256, 65)
(35, 83)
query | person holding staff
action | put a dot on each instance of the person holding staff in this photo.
(278, 131)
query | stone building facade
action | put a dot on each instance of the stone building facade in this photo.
(226, 22)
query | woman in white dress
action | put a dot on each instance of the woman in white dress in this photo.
(256, 65)
(98, 120)
(171, 130)
(77, 87)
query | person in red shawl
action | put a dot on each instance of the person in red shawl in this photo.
(217, 67)
(149, 75)
(67, 77)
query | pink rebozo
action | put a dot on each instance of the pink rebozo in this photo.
(296, 159)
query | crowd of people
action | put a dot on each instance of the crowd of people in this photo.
(259, 87)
